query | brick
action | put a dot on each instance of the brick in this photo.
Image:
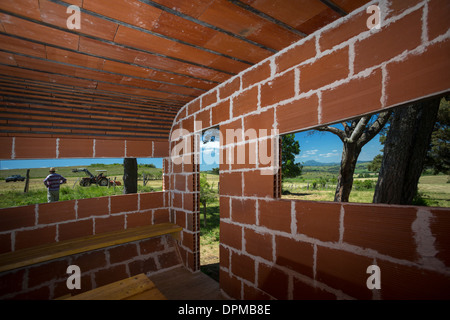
(295, 255)
(193, 107)
(243, 211)
(275, 215)
(109, 148)
(356, 97)
(35, 148)
(188, 201)
(231, 132)
(124, 203)
(418, 75)
(242, 156)
(209, 98)
(75, 229)
(252, 293)
(346, 30)
(17, 217)
(180, 182)
(46, 272)
(437, 20)
(243, 266)
(280, 88)
(35, 237)
(110, 275)
(75, 148)
(160, 149)
(231, 184)
(90, 260)
(231, 235)
(177, 200)
(259, 183)
(6, 149)
(273, 281)
(401, 35)
(296, 55)
(12, 281)
(56, 212)
(142, 266)
(344, 271)
(325, 70)
(262, 123)
(41, 293)
(256, 74)
(202, 120)
(224, 257)
(225, 207)
(258, 243)
(151, 200)
(5, 243)
(230, 88)
(400, 282)
(220, 113)
(440, 228)
(140, 218)
(245, 102)
(188, 124)
(303, 291)
(298, 114)
(137, 149)
(397, 7)
(168, 259)
(318, 220)
(230, 285)
(122, 253)
(109, 224)
(92, 207)
(150, 246)
(161, 216)
(386, 229)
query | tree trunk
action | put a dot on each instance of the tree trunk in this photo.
(404, 152)
(27, 181)
(204, 214)
(130, 175)
(350, 154)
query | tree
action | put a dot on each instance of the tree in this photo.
(438, 155)
(291, 148)
(357, 133)
(207, 194)
(406, 145)
(130, 175)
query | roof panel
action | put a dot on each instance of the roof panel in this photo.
(147, 55)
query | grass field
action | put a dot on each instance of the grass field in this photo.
(433, 190)
(12, 195)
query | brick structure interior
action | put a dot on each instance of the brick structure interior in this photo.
(269, 248)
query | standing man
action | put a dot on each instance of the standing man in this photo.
(52, 183)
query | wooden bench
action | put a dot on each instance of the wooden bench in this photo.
(139, 287)
(47, 252)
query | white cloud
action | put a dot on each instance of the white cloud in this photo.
(328, 155)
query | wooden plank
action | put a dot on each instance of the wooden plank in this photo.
(152, 294)
(118, 290)
(29, 256)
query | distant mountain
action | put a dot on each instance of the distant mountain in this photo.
(314, 163)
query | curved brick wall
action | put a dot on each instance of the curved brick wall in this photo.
(284, 249)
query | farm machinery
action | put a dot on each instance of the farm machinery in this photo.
(99, 179)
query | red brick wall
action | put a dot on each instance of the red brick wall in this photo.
(28, 226)
(28, 147)
(285, 249)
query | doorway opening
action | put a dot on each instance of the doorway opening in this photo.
(209, 202)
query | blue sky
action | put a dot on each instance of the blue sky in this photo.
(320, 146)
(45, 163)
(326, 147)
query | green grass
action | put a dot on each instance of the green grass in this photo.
(12, 195)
